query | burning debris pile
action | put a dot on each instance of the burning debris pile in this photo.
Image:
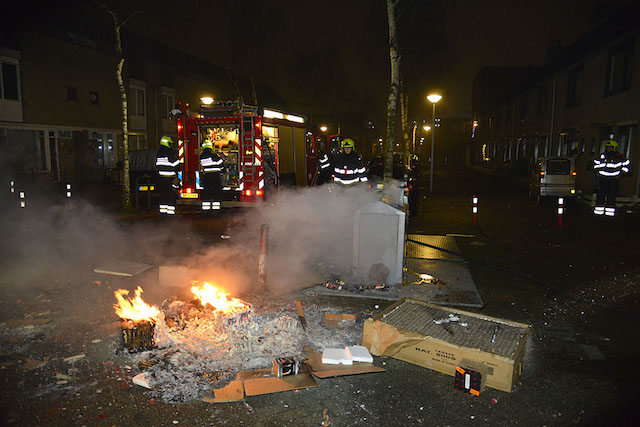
(202, 344)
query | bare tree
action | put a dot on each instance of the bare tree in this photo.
(404, 120)
(117, 26)
(394, 54)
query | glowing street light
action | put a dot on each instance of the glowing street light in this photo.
(207, 100)
(323, 128)
(433, 99)
(426, 128)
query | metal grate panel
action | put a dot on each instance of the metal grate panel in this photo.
(415, 250)
(478, 333)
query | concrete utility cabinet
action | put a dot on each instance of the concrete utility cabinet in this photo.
(379, 238)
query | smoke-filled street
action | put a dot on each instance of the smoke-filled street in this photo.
(63, 361)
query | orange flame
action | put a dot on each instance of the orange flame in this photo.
(207, 294)
(134, 309)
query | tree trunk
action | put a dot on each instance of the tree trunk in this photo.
(405, 123)
(126, 185)
(392, 102)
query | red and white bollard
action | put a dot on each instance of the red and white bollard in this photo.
(474, 210)
(560, 211)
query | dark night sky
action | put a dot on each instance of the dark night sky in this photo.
(331, 58)
(335, 52)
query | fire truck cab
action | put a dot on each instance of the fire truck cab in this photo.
(261, 149)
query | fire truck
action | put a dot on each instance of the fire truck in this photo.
(262, 149)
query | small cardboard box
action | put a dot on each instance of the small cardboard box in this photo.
(408, 331)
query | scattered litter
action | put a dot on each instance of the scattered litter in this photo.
(74, 358)
(141, 380)
(63, 377)
(33, 363)
(62, 382)
(96, 341)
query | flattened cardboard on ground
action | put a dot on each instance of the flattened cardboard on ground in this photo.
(260, 382)
(232, 392)
(123, 268)
(320, 370)
(257, 382)
(384, 339)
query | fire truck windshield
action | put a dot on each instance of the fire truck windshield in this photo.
(224, 138)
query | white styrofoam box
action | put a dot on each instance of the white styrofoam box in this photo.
(360, 353)
(336, 356)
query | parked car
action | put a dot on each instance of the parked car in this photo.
(553, 176)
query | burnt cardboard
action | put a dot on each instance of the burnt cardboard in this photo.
(258, 382)
(333, 320)
(321, 370)
(232, 392)
(383, 339)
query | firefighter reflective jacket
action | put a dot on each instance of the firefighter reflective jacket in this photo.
(210, 161)
(348, 169)
(167, 162)
(611, 164)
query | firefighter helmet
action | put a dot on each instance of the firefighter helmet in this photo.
(207, 144)
(348, 143)
(611, 143)
(166, 141)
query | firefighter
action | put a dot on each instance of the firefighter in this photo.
(609, 169)
(167, 163)
(347, 166)
(324, 169)
(211, 164)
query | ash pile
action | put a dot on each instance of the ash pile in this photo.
(197, 348)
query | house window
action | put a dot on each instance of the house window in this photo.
(167, 103)
(625, 138)
(94, 97)
(9, 79)
(72, 93)
(543, 99)
(619, 68)
(137, 102)
(524, 106)
(574, 86)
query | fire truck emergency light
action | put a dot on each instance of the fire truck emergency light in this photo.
(270, 114)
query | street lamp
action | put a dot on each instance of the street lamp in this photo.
(323, 128)
(433, 99)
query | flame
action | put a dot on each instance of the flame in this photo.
(134, 309)
(207, 294)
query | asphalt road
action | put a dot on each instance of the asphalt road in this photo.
(577, 286)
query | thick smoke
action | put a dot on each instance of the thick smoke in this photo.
(310, 239)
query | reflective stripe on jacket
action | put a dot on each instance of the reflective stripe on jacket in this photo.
(610, 164)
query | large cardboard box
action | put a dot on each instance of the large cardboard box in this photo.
(428, 335)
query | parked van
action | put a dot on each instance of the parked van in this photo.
(553, 177)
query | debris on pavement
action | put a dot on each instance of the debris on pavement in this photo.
(75, 358)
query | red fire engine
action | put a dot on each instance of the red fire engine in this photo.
(261, 148)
